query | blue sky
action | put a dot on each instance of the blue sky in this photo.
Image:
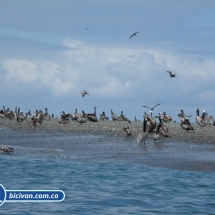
(53, 50)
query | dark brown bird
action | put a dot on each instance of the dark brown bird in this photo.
(134, 34)
(84, 93)
(171, 74)
(144, 134)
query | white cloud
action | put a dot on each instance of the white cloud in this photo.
(37, 74)
(20, 71)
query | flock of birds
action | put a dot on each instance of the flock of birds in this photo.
(149, 122)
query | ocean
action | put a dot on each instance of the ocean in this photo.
(103, 174)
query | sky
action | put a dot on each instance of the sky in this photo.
(53, 50)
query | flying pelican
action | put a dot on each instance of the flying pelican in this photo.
(152, 107)
(84, 93)
(171, 74)
(134, 34)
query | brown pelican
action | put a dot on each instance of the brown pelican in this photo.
(136, 120)
(103, 116)
(28, 113)
(36, 119)
(123, 118)
(183, 117)
(163, 128)
(19, 115)
(157, 133)
(151, 122)
(199, 120)
(115, 117)
(127, 131)
(81, 119)
(64, 118)
(205, 118)
(92, 116)
(171, 75)
(6, 149)
(75, 115)
(84, 93)
(164, 117)
(186, 124)
(212, 120)
(10, 114)
(46, 116)
(2, 113)
(144, 134)
(134, 34)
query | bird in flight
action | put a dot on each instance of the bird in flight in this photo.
(171, 74)
(134, 34)
(152, 107)
(84, 93)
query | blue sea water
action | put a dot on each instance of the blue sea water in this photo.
(97, 187)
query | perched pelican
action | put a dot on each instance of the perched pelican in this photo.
(183, 117)
(205, 119)
(2, 113)
(81, 119)
(186, 124)
(151, 122)
(115, 117)
(166, 118)
(46, 116)
(134, 34)
(103, 116)
(84, 93)
(76, 115)
(64, 118)
(123, 118)
(199, 119)
(171, 75)
(136, 120)
(212, 120)
(157, 134)
(163, 128)
(127, 131)
(92, 116)
(144, 134)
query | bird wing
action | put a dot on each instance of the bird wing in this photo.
(134, 34)
(156, 105)
(146, 107)
(169, 72)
